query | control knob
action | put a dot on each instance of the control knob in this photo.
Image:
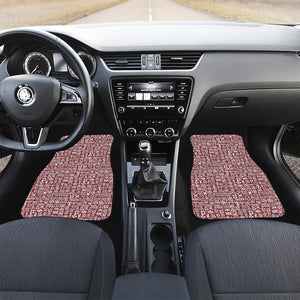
(121, 109)
(150, 132)
(169, 132)
(131, 132)
(180, 109)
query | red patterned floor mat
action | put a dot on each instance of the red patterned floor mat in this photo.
(78, 183)
(226, 183)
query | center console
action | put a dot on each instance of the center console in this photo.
(150, 113)
(152, 108)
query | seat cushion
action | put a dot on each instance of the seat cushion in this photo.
(55, 258)
(244, 259)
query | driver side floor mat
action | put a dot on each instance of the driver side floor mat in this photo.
(77, 183)
(226, 182)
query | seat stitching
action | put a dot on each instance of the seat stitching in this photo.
(41, 292)
(94, 262)
(195, 233)
(254, 293)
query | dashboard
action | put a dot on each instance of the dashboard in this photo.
(175, 76)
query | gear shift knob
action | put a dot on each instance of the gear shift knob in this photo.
(145, 153)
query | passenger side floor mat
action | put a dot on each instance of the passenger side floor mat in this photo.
(226, 182)
(77, 183)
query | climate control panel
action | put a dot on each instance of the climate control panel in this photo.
(151, 107)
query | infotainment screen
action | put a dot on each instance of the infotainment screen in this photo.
(150, 86)
(151, 91)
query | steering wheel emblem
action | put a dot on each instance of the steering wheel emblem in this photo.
(25, 95)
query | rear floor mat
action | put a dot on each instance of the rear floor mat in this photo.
(77, 183)
(226, 182)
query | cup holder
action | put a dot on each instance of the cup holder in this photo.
(162, 238)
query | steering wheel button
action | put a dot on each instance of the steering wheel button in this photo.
(63, 95)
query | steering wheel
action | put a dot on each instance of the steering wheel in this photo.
(31, 100)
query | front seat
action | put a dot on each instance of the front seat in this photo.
(55, 258)
(244, 259)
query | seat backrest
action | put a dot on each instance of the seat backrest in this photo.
(244, 259)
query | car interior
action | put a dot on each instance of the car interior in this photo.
(154, 101)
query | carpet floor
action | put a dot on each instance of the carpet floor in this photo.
(77, 183)
(226, 182)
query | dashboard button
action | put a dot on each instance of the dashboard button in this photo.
(147, 96)
(162, 95)
(121, 109)
(144, 61)
(169, 132)
(131, 96)
(170, 96)
(139, 96)
(154, 96)
(180, 109)
(119, 88)
(151, 65)
(182, 93)
(118, 84)
(150, 132)
(131, 132)
(170, 108)
(157, 62)
(182, 83)
(182, 88)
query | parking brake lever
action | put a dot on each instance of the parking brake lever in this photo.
(132, 262)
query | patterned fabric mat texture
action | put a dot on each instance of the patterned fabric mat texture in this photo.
(77, 183)
(226, 182)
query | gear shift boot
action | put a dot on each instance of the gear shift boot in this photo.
(149, 184)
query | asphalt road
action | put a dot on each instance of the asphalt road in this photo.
(146, 10)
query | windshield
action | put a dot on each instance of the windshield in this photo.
(15, 13)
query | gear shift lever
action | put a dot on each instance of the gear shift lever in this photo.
(148, 184)
(145, 154)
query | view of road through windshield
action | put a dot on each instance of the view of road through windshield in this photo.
(147, 10)
(16, 13)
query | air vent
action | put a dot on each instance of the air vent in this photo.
(179, 60)
(126, 61)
